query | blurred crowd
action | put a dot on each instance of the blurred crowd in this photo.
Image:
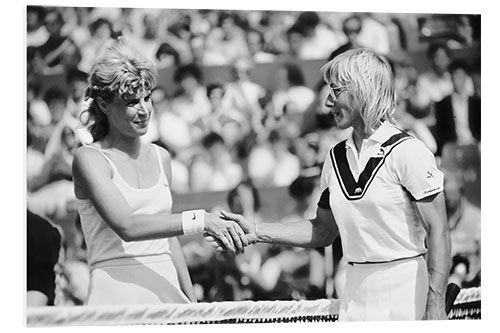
(240, 137)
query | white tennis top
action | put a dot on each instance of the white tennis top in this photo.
(102, 242)
(371, 194)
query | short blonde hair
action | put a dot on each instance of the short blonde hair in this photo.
(368, 79)
(119, 72)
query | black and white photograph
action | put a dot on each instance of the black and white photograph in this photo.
(231, 165)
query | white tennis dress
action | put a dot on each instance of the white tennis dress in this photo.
(137, 272)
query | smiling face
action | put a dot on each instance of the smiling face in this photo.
(130, 115)
(338, 102)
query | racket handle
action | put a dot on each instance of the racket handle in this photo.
(452, 291)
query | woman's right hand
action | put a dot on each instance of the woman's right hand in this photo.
(229, 233)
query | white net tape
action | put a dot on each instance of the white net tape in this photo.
(209, 313)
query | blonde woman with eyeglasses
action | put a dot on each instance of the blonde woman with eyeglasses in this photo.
(382, 194)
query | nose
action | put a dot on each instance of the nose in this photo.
(330, 101)
(143, 107)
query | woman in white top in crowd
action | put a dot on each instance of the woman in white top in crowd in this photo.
(123, 187)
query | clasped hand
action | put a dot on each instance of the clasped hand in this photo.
(229, 232)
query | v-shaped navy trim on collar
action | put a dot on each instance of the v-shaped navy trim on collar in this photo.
(356, 190)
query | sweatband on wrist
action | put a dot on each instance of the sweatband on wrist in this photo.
(193, 221)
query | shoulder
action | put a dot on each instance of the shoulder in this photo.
(87, 159)
(164, 154)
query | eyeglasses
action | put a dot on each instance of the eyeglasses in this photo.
(335, 91)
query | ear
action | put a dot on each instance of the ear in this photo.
(102, 105)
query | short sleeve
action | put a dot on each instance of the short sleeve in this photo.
(326, 172)
(324, 200)
(416, 169)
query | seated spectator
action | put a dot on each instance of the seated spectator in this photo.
(319, 40)
(62, 118)
(243, 95)
(374, 34)
(256, 46)
(228, 122)
(272, 164)
(227, 40)
(101, 32)
(404, 82)
(214, 169)
(76, 25)
(190, 102)
(307, 149)
(44, 242)
(464, 218)
(173, 130)
(351, 27)
(292, 97)
(149, 41)
(465, 34)
(458, 115)
(52, 49)
(38, 111)
(76, 81)
(434, 84)
(295, 36)
(36, 32)
(166, 56)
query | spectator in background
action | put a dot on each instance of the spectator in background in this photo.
(374, 34)
(214, 169)
(76, 81)
(44, 242)
(318, 39)
(51, 51)
(149, 41)
(458, 115)
(227, 40)
(38, 111)
(464, 33)
(223, 119)
(274, 26)
(434, 84)
(166, 56)
(101, 32)
(36, 32)
(190, 101)
(173, 130)
(351, 27)
(256, 46)
(292, 97)
(76, 26)
(464, 219)
(243, 95)
(307, 149)
(295, 37)
(271, 163)
(405, 76)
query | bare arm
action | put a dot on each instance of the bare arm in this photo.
(182, 269)
(92, 179)
(433, 214)
(320, 231)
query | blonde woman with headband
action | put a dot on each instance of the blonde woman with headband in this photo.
(123, 191)
(382, 194)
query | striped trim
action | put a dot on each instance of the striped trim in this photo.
(356, 190)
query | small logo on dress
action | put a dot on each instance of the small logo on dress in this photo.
(194, 216)
(358, 190)
(380, 152)
(430, 174)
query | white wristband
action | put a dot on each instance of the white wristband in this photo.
(193, 221)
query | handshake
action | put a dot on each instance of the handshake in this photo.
(229, 232)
